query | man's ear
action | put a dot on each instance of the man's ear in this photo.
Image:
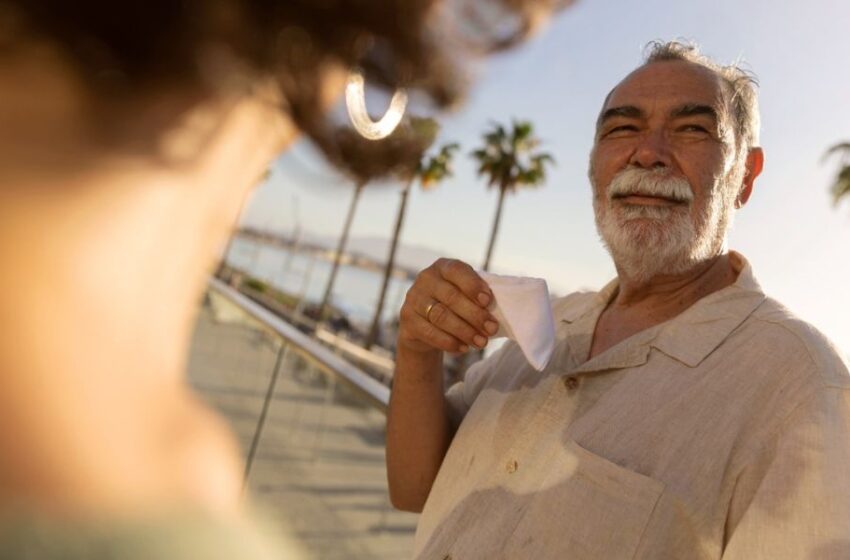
(754, 165)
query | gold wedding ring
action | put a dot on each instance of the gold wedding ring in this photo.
(429, 309)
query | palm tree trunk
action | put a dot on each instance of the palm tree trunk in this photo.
(503, 188)
(388, 269)
(358, 189)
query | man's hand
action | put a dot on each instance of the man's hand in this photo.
(446, 310)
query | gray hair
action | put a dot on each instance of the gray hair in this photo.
(739, 84)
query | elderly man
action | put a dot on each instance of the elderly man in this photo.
(683, 415)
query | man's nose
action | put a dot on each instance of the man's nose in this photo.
(652, 151)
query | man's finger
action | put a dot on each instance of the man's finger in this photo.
(431, 334)
(442, 317)
(461, 305)
(465, 278)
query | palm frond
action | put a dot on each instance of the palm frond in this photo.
(842, 147)
(540, 159)
(841, 187)
(522, 131)
(438, 167)
(449, 150)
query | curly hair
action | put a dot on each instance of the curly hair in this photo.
(127, 49)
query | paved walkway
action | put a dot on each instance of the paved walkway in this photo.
(320, 462)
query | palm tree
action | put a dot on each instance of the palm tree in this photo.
(364, 161)
(509, 161)
(430, 172)
(841, 187)
(340, 248)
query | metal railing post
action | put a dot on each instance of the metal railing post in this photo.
(319, 434)
(261, 422)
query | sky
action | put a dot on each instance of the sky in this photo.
(796, 240)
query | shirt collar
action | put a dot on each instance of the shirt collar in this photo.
(689, 337)
(588, 303)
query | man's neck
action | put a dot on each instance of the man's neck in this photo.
(640, 305)
(674, 291)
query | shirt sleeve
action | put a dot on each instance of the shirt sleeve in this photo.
(793, 501)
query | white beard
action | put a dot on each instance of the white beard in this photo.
(647, 241)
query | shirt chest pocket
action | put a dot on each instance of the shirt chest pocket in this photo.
(588, 508)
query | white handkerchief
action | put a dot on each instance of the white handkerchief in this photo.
(525, 315)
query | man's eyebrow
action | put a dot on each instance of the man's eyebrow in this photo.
(627, 111)
(693, 109)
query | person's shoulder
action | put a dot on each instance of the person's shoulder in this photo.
(781, 328)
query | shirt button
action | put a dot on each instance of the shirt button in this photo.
(571, 383)
(512, 466)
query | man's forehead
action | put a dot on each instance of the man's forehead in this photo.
(667, 84)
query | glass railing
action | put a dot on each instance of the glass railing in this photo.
(311, 427)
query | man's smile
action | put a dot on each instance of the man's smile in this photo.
(647, 200)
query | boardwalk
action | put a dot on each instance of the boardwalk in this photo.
(320, 462)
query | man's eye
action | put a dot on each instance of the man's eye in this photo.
(622, 128)
(693, 128)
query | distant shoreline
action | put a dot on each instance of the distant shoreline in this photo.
(349, 258)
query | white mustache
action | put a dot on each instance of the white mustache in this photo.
(637, 181)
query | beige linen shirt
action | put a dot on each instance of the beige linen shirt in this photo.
(723, 433)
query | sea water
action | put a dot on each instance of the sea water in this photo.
(305, 275)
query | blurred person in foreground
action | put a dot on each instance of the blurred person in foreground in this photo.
(684, 414)
(130, 135)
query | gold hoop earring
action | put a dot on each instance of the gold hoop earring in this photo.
(355, 102)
